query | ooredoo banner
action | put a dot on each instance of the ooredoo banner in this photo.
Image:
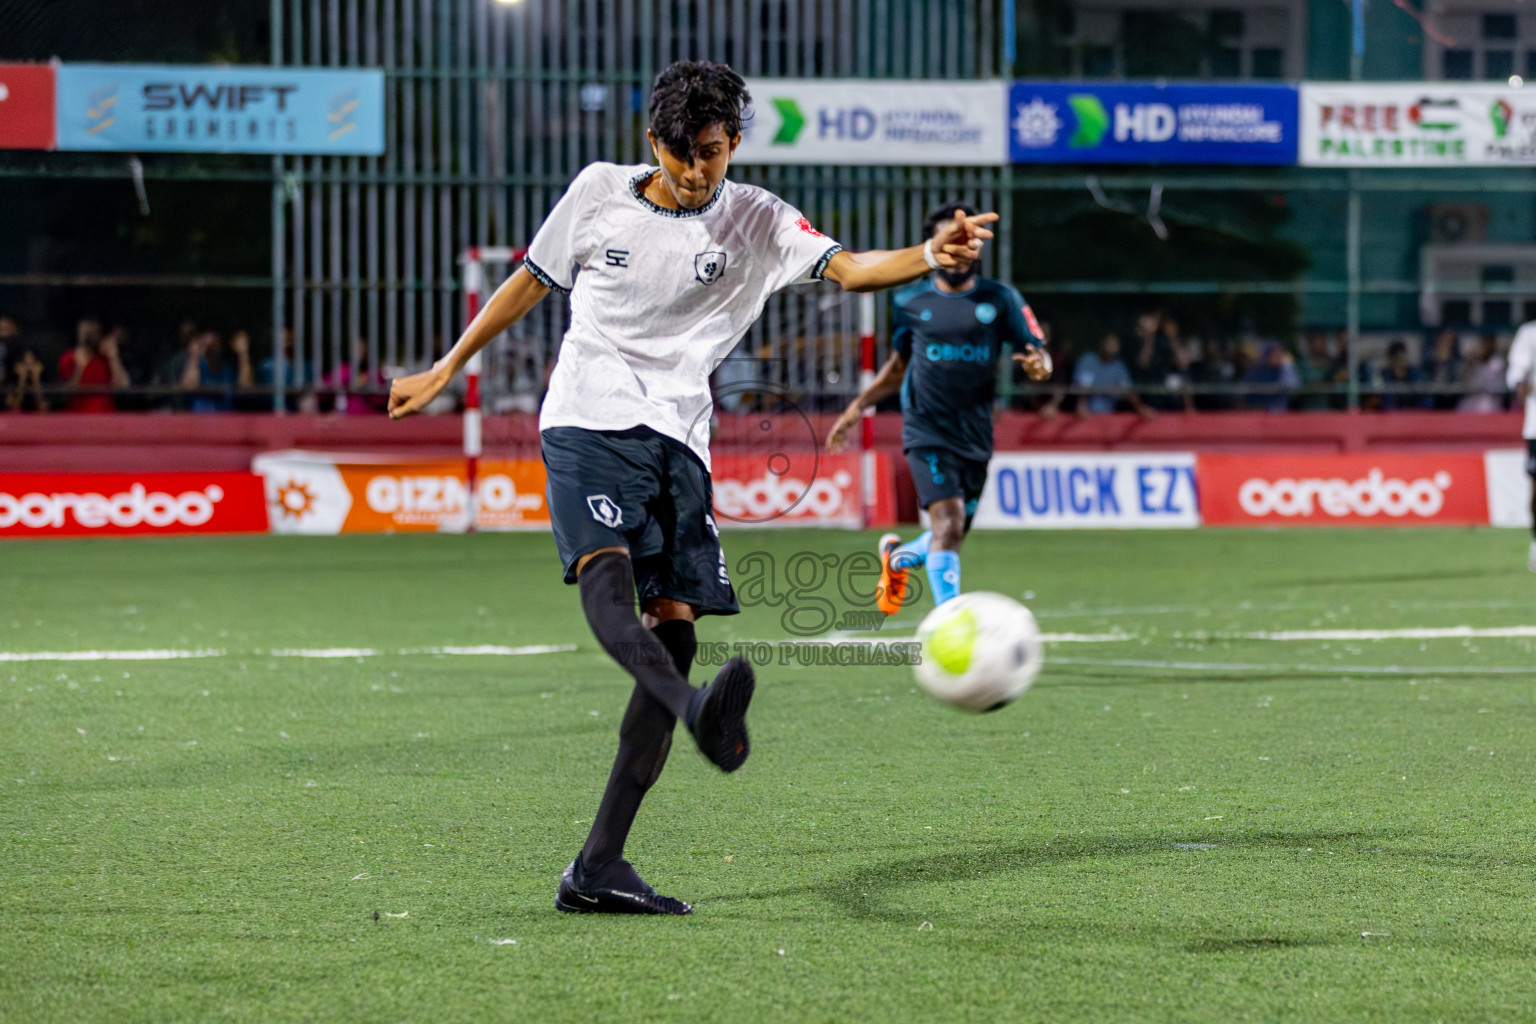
(1135, 490)
(805, 488)
(1344, 490)
(113, 504)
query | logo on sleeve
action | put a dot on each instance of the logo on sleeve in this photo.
(804, 224)
(605, 510)
(1034, 325)
(708, 266)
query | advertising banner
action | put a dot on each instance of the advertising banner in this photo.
(191, 108)
(1417, 124)
(810, 489)
(855, 121)
(321, 493)
(26, 106)
(1509, 487)
(1097, 491)
(114, 504)
(1122, 123)
(315, 493)
(1344, 490)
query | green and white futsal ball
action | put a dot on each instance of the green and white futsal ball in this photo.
(980, 651)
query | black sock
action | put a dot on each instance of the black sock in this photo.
(645, 737)
(677, 636)
(607, 584)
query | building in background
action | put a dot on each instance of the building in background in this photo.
(493, 107)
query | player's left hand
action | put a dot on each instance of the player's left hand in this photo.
(958, 244)
(408, 395)
(1036, 363)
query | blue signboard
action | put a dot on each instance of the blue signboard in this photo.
(1124, 123)
(193, 108)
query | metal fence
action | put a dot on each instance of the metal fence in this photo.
(493, 108)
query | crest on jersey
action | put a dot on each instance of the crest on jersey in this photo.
(708, 266)
(604, 509)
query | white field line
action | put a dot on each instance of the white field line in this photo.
(491, 650)
(149, 655)
(1430, 633)
(323, 652)
(861, 638)
(283, 652)
(1333, 670)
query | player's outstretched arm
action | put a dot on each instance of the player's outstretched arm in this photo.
(954, 248)
(517, 295)
(886, 383)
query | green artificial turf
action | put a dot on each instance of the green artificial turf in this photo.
(1185, 824)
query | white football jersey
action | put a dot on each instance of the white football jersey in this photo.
(659, 297)
(1522, 367)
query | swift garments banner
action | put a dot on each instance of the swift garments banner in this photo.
(190, 108)
(114, 504)
(1344, 490)
(1419, 124)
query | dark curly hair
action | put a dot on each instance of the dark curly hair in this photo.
(690, 96)
(940, 214)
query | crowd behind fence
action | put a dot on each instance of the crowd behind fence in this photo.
(1147, 365)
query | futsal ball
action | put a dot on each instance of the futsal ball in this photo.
(980, 651)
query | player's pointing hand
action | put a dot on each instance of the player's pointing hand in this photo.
(958, 244)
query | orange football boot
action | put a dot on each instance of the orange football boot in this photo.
(893, 582)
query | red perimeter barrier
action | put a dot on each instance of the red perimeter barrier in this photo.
(227, 442)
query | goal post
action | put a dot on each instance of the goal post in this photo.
(473, 261)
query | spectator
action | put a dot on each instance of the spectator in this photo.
(93, 363)
(296, 375)
(1155, 362)
(1059, 347)
(203, 369)
(23, 382)
(1215, 367)
(1482, 378)
(1107, 380)
(367, 396)
(1319, 369)
(1275, 372)
(1441, 370)
(10, 336)
(1177, 379)
(1397, 380)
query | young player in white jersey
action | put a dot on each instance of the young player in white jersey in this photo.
(1522, 380)
(667, 268)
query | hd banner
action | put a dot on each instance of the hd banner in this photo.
(182, 108)
(1418, 124)
(1121, 123)
(856, 121)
